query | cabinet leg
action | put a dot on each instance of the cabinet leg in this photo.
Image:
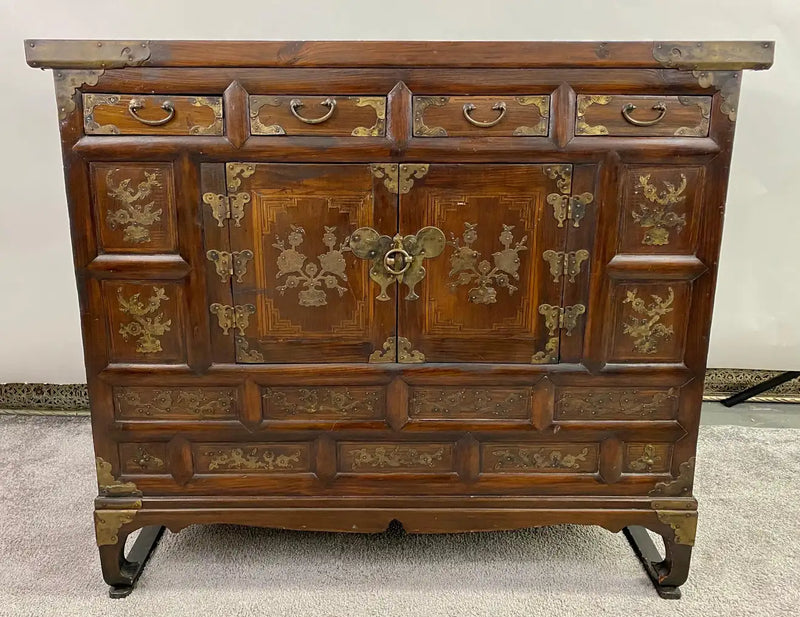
(666, 573)
(122, 571)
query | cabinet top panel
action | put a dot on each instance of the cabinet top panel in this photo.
(686, 55)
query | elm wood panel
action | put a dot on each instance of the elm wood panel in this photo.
(124, 266)
(419, 458)
(444, 116)
(145, 321)
(252, 459)
(134, 207)
(110, 114)
(235, 103)
(728, 55)
(470, 403)
(488, 212)
(655, 267)
(327, 408)
(350, 114)
(601, 115)
(620, 403)
(661, 209)
(559, 458)
(216, 237)
(143, 458)
(647, 458)
(305, 310)
(176, 403)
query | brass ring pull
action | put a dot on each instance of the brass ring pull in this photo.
(136, 104)
(389, 261)
(469, 107)
(296, 104)
(661, 108)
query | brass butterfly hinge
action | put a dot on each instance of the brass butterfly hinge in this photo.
(565, 264)
(236, 317)
(225, 207)
(230, 264)
(561, 318)
(566, 207)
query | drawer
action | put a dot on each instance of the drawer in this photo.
(176, 403)
(608, 403)
(481, 116)
(642, 116)
(135, 114)
(359, 116)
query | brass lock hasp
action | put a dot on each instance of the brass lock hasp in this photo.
(397, 259)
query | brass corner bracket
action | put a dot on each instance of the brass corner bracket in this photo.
(399, 178)
(728, 83)
(107, 524)
(109, 485)
(714, 55)
(683, 524)
(680, 486)
(401, 346)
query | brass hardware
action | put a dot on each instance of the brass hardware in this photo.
(397, 456)
(378, 103)
(584, 102)
(93, 54)
(568, 263)
(107, 524)
(90, 125)
(386, 172)
(66, 83)
(658, 218)
(550, 353)
(408, 173)
(386, 253)
(478, 402)
(421, 103)
(467, 270)
(326, 400)
(562, 174)
(571, 208)
(683, 524)
(646, 329)
(133, 217)
(661, 108)
(701, 130)
(251, 459)
(108, 485)
(296, 104)
(681, 486)
(237, 317)
(136, 104)
(215, 104)
(256, 126)
(613, 402)
(469, 108)
(727, 82)
(144, 327)
(543, 104)
(230, 264)
(234, 170)
(244, 353)
(714, 55)
(225, 207)
(400, 347)
(556, 317)
(537, 458)
(331, 269)
(647, 460)
(196, 401)
(146, 461)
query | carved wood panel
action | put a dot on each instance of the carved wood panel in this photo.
(457, 403)
(323, 402)
(143, 458)
(576, 403)
(252, 458)
(175, 403)
(499, 457)
(390, 458)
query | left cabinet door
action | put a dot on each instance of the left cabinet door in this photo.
(298, 292)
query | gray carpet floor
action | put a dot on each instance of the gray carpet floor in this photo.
(746, 561)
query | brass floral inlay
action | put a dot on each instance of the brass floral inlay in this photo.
(251, 459)
(647, 329)
(584, 102)
(330, 271)
(134, 217)
(313, 401)
(198, 402)
(537, 458)
(478, 402)
(609, 403)
(647, 460)
(657, 217)
(397, 456)
(144, 460)
(146, 326)
(466, 269)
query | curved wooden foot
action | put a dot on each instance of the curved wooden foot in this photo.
(122, 571)
(666, 573)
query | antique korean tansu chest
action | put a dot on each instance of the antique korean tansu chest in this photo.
(331, 285)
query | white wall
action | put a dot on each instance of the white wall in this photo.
(758, 300)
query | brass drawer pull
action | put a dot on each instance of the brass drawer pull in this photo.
(296, 104)
(469, 108)
(136, 104)
(661, 108)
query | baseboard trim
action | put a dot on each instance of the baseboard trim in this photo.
(48, 399)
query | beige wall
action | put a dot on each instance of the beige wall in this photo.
(758, 300)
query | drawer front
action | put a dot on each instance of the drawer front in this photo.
(358, 116)
(392, 458)
(175, 403)
(561, 458)
(642, 116)
(252, 458)
(135, 114)
(334, 404)
(576, 403)
(481, 116)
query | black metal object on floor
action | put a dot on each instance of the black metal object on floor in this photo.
(760, 388)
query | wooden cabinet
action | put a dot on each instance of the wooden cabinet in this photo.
(465, 286)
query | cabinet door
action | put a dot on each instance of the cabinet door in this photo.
(300, 292)
(480, 298)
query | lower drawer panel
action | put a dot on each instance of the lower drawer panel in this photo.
(363, 458)
(539, 458)
(269, 458)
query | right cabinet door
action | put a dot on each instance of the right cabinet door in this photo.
(494, 294)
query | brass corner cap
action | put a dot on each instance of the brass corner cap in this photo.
(715, 55)
(62, 54)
